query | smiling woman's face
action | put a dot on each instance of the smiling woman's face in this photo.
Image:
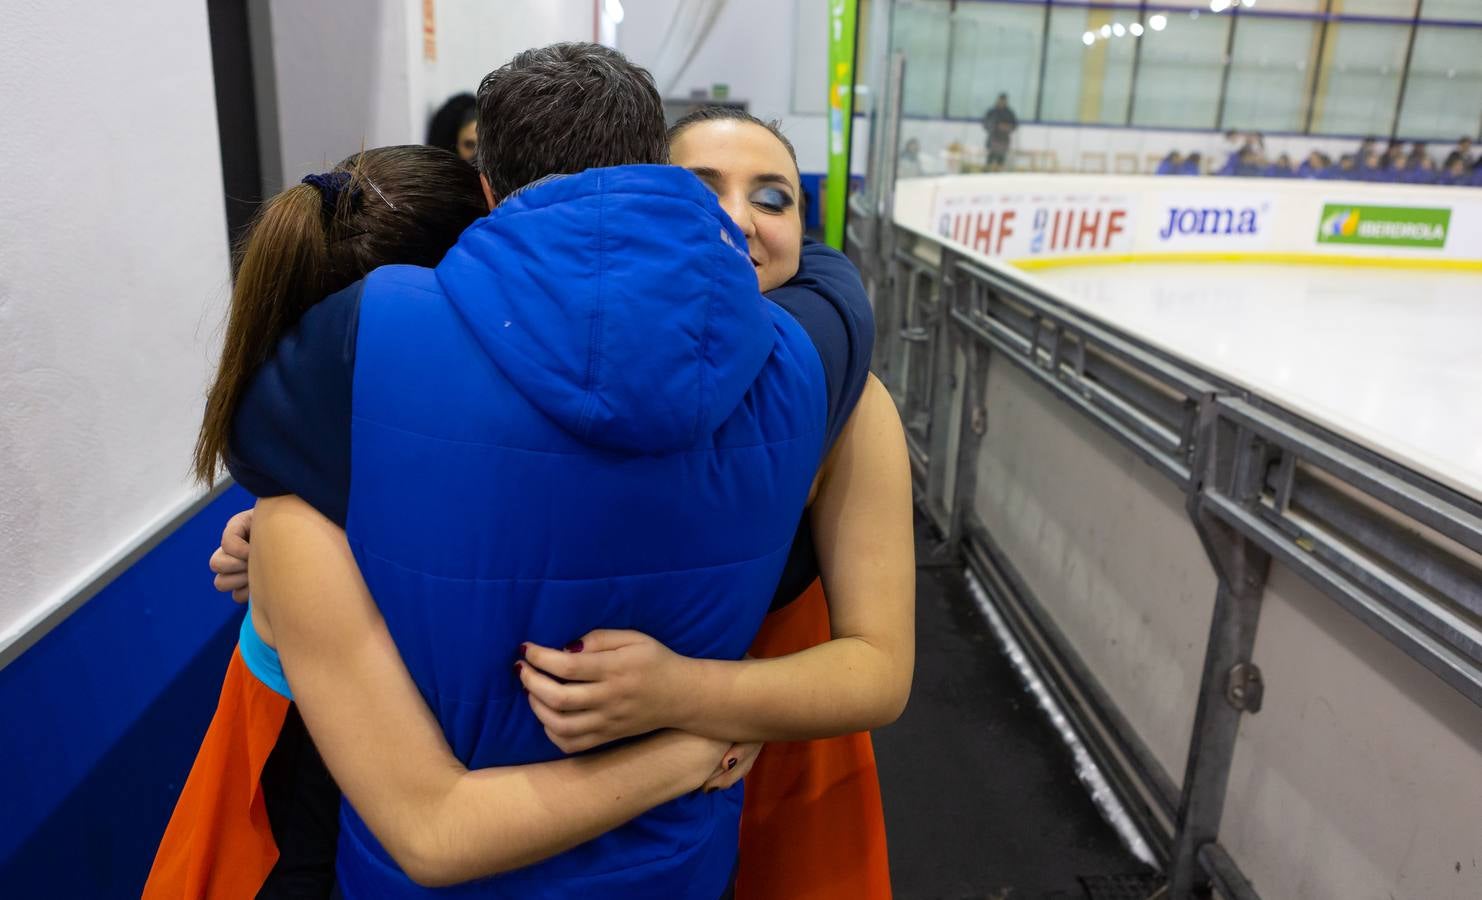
(757, 183)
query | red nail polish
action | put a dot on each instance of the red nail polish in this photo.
(523, 647)
(574, 647)
(517, 667)
(731, 763)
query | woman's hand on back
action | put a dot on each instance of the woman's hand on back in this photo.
(229, 562)
(608, 685)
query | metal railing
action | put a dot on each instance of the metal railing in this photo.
(1396, 549)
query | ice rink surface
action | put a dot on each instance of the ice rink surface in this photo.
(1391, 358)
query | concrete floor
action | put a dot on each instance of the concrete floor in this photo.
(981, 799)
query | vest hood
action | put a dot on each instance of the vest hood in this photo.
(620, 302)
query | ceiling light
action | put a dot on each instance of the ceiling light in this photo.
(1088, 39)
(1158, 22)
(1118, 30)
(1136, 29)
(1106, 31)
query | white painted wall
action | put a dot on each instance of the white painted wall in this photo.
(353, 73)
(113, 276)
(772, 53)
(344, 73)
(476, 37)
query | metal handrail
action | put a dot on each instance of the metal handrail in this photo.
(1256, 477)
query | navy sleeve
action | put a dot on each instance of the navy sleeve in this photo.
(828, 300)
(291, 430)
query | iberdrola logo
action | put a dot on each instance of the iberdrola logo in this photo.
(1384, 226)
(1343, 223)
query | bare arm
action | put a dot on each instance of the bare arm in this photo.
(439, 821)
(622, 683)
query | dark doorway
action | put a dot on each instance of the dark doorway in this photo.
(236, 112)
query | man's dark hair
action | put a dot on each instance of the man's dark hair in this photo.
(563, 109)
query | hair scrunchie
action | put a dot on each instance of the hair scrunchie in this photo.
(330, 186)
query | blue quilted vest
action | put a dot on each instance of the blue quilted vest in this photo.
(585, 417)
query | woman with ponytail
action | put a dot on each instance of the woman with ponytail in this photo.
(247, 823)
(405, 204)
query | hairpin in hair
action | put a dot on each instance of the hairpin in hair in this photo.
(378, 193)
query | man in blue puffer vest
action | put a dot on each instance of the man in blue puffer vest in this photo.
(585, 417)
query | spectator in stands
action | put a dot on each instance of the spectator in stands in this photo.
(1282, 168)
(1346, 170)
(1314, 165)
(1172, 164)
(1457, 171)
(1370, 166)
(1417, 155)
(1000, 123)
(1462, 152)
(1419, 168)
(909, 165)
(1234, 142)
(1393, 164)
(1249, 153)
(1394, 157)
(1245, 164)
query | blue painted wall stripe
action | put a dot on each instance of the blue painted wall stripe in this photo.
(104, 715)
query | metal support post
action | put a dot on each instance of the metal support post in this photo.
(1236, 461)
(957, 417)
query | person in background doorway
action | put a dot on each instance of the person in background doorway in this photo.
(909, 165)
(1000, 123)
(1172, 164)
(455, 127)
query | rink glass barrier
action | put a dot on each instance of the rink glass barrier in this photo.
(1268, 635)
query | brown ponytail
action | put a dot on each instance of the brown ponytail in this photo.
(281, 264)
(400, 205)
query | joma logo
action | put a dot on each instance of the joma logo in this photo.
(1210, 220)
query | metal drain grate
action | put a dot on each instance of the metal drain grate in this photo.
(1122, 887)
